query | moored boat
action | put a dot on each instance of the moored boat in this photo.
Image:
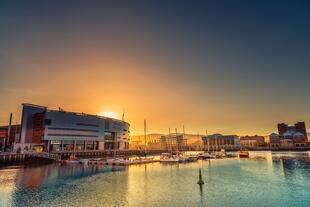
(243, 154)
(72, 160)
(84, 161)
(192, 158)
(169, 158)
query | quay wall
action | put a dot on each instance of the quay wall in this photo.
(9, 159)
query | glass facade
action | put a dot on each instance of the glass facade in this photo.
(79, 145)
(68, 145)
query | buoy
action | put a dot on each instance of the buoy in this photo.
(200, 181)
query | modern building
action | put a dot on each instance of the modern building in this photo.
(175, 142)
(43, 129)
(219, 141)
(252, 141)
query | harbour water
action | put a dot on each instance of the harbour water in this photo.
(279, 179)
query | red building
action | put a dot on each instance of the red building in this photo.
(285, 130)
(14, 135)
(291, 136)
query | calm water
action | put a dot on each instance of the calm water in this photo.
(229, 182)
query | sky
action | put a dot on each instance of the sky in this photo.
(230, 67)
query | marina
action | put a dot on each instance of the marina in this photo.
(154, 103)
(280, 179)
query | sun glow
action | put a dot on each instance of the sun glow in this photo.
(109, 114)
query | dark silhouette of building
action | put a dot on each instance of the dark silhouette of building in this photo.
(6, 141)
(290, 136)
(282, 128)
(301, 127)
(286, 131)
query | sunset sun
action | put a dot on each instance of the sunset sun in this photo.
(110, 114)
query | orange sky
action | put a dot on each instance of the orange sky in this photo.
(95, 85)
(205, 65)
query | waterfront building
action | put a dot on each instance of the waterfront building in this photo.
(252, 141)
(274, 140)
(219, 141)
(287, 132)
(136, 145)
(154, 145)
(289, 136)
(174, 142)
(43, 129)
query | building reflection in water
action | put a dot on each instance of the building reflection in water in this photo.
(296, 169)
(7, 183)
(30, 181)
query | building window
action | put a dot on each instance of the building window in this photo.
(82, 124)
(48, 122)
(96, 145)
(68, 145)
(109, 136)
(55, 145)
(107, 123)
(89, 145)
(79, 145)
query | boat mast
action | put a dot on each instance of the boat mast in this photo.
(177, 140)
(169, 138)
(183, 138)
(144, 137)
(208, 141)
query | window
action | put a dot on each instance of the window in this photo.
(109, 136)
(107, 123)
(48, 122)
(89, 145)
(83, 124)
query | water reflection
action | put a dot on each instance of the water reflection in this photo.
(281, 179)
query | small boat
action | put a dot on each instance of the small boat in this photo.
(206, 156)
(169, 158)
(84, 161)
(118, 161)
(141, 160)
(192, 158)
(243, 154)
(72, 160)
(97, 161)
(222, 153)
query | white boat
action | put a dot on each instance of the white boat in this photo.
(118, 161)
(169, 158)
(243, 154)
(84, 161)
(221, 154)
(72, 160)
(207, 155)
(192, 158)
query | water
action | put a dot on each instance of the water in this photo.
(228, 182)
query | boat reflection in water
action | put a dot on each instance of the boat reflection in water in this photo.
(280, 179)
